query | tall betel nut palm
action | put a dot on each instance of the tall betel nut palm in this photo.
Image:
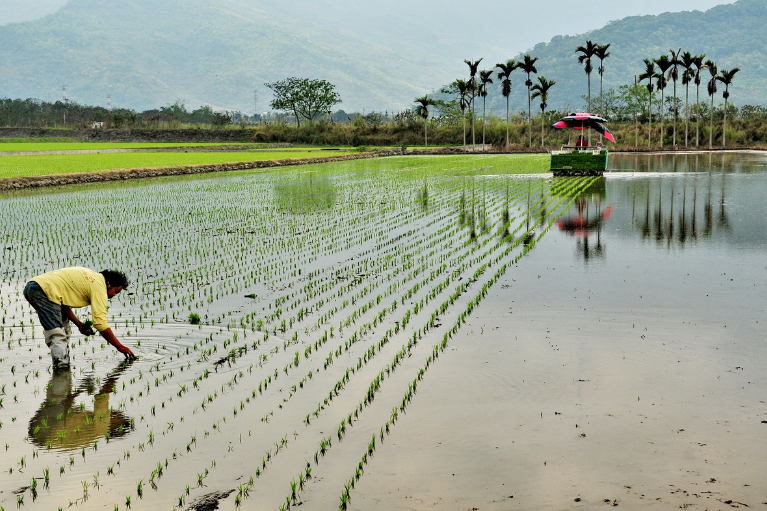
(726, 78)
(649, 74)
(541, 90)
(664, 63)
(688, 62)
(473, 67)
(504, 75)
(461, 87)
(528, 66)
(424, 102)
(485, 78)
(586, 54)
(673, 73)
(601, 53)
(711, 89)
(698, 60)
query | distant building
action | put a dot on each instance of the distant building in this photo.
(97, 125)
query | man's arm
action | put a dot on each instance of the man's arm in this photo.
(111, 339)
(80, 326)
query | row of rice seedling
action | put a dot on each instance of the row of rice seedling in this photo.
(288, 272)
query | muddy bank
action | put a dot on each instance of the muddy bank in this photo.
(19, 183)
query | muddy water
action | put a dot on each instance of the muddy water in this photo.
(622, 362)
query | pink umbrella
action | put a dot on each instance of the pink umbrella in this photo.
(584, 120)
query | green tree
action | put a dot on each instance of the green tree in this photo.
(473, 67)
(586, 54)
(664, 63)
(424, 102)
(699, 66)
(542, 91)
(504, 75)
(726, 78)
(687, 62)
(485, 78)
(711, 89)
(528, 66)
(304, 97)
(649, 74)
(673, 73)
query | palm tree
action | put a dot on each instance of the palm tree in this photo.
(586, 53)
(601, 53)
(473, 66)
(726, 78)
(485, 78)
(649, 74)
(542, 91)
(699, 66)
(673, 73)
(424, 102)
(462, 88)
(528, 66)
(663, 65)
(711, 87)
(687, 62)
(505, 76)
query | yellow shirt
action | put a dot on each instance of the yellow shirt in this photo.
(77, 287)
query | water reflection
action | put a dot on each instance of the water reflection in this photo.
(673, 206)
(61, 424)
(586, 218)
(309, 192)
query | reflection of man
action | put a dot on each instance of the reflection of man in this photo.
(54, 294)
(62, 424)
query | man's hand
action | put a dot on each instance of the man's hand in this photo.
(86, 329)
(111, 339)
(127, 352)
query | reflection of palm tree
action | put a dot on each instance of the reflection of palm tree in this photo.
(724, 221)
(61, 424)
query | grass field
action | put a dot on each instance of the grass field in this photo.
(24, 166)
(72, 146)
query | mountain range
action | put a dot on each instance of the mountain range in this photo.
(380, 55)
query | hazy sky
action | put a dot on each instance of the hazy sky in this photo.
(516, 25)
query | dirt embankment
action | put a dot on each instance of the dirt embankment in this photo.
(19, 183)
(135, 135)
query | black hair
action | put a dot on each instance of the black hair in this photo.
(115, 278)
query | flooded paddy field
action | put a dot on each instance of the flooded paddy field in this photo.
(404, 333)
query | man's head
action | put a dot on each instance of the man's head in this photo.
(116, 281)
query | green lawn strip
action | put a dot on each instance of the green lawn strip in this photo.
(24, 166)
(76, 146)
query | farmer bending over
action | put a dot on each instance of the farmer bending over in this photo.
(54, 294)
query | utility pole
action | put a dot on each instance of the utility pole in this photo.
(255, 103)
(109, 102)
(64, 92)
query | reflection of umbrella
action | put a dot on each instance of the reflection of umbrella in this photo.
(581, 226)
(582, 121)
